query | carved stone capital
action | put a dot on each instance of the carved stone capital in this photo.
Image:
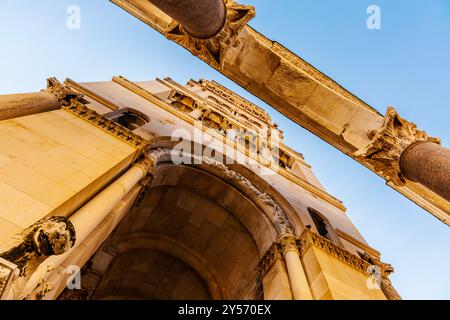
(63, 93)
(213, 50)
(289, 243)
(48, 237)
(389, 143)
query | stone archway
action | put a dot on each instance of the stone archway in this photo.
(209, 225)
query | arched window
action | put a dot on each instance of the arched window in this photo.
(128, 118)
(321, 224)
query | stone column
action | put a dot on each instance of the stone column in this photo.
(429, 164)
(20, 105)
(399, 152)
(297, 277)
(24, 104)
(92, 214)
(203, 19)
(86, 220)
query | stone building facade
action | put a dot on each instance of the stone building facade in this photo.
(156, 190)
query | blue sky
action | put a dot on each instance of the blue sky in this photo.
(405, 64)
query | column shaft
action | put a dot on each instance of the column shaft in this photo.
(20, 105)
(297, 277)
(201, 18)
(429, 164)
(87, 219)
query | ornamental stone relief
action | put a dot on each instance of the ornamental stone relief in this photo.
(48, 237)
(389, 143)
(282, 223)
(310, 238)
(213, 50)
(64, 93)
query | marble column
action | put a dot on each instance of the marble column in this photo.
(202, 19)
(297, 277)
(428, 163)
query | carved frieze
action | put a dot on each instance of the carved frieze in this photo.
(279, 217)
(112, 127)
(386, 284)
(282, 223)
(235, 100)
(389, 143)
(184, 102)
(309, 238)
(64, 93)
(213, 50)
(273, 254)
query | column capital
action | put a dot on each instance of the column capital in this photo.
(213, 50)
(62, 92)
(388, 144)
(289, 243)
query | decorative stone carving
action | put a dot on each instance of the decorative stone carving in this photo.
(388, 144)
(48, 237)
(133, 87)
(280, 219)
(386, 284)
(309, 238)
(8, 273)
(267, 261)
(183, 102)
(282, 223)
(112, 127)
(289, 243)
(385, 270)
(235, 100)
(64, 93)
(213, 50)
